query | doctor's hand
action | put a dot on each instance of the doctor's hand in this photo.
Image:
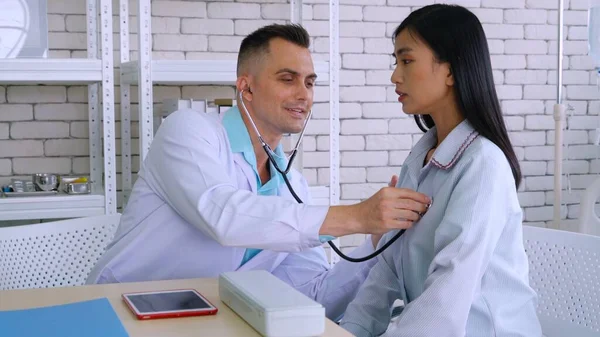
(389, 209)
(376, 237)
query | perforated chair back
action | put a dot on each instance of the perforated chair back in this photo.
(564, 269)
(53, 254)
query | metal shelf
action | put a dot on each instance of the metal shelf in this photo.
(51, 207)
(50, 71)
(193, 72)
(97, 72)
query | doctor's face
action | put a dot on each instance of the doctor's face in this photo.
(423, 84)
(282, 88)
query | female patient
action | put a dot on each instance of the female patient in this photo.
(462, 269)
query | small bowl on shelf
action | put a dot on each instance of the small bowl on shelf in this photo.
(46, 181)
(78, 188)
(75, 185)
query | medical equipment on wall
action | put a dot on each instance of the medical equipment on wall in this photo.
(594, 32)
(14, 25)
(587, 204)
(271, 155)
(559, 113)
(23, 28)
(589, 223)
(594, 48)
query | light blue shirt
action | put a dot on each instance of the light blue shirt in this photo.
(240, 142)
(462, 269)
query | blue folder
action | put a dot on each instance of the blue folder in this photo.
(95, 318)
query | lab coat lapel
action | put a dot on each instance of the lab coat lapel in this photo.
(283, 191)
(248, 177)
(265, 260)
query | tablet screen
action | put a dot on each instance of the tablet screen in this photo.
(168, 301)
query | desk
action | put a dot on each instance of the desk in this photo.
(224, 323)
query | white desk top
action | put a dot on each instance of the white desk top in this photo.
(224, 323)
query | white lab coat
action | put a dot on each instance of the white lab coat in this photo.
(194, 210)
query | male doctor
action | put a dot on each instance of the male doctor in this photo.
(207, 200)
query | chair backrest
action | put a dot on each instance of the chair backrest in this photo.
(53, 254)
(589, 222)
(564, 269)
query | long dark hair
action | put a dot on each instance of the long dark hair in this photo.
(455, 35)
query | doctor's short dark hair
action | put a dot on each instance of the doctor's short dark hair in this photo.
(257, 43)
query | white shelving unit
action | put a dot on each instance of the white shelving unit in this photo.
(93, 71)
(59, 206)
(146, 72)
(50, 71)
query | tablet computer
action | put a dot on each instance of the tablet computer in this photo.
(168, 303)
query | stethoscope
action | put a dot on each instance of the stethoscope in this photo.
(271, 154)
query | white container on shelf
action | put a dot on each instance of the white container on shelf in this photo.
(171, 105)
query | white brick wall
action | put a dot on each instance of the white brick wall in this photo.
(503, 4)
(502, 62)
(362, 94)
(45, 127)
(179, 9)
(365, 61)
(4, 130)
(207, 26)
(36, 165)
(223, 10)
(523, 16)
(384, 13)
(36, 94)
(39, 130)
(530, 47)
(66, 7)
(347, 13)
(180, 42)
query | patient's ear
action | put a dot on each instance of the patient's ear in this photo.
(449, 76)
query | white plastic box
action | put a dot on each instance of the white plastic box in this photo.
(271, 306)
(171, 105)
